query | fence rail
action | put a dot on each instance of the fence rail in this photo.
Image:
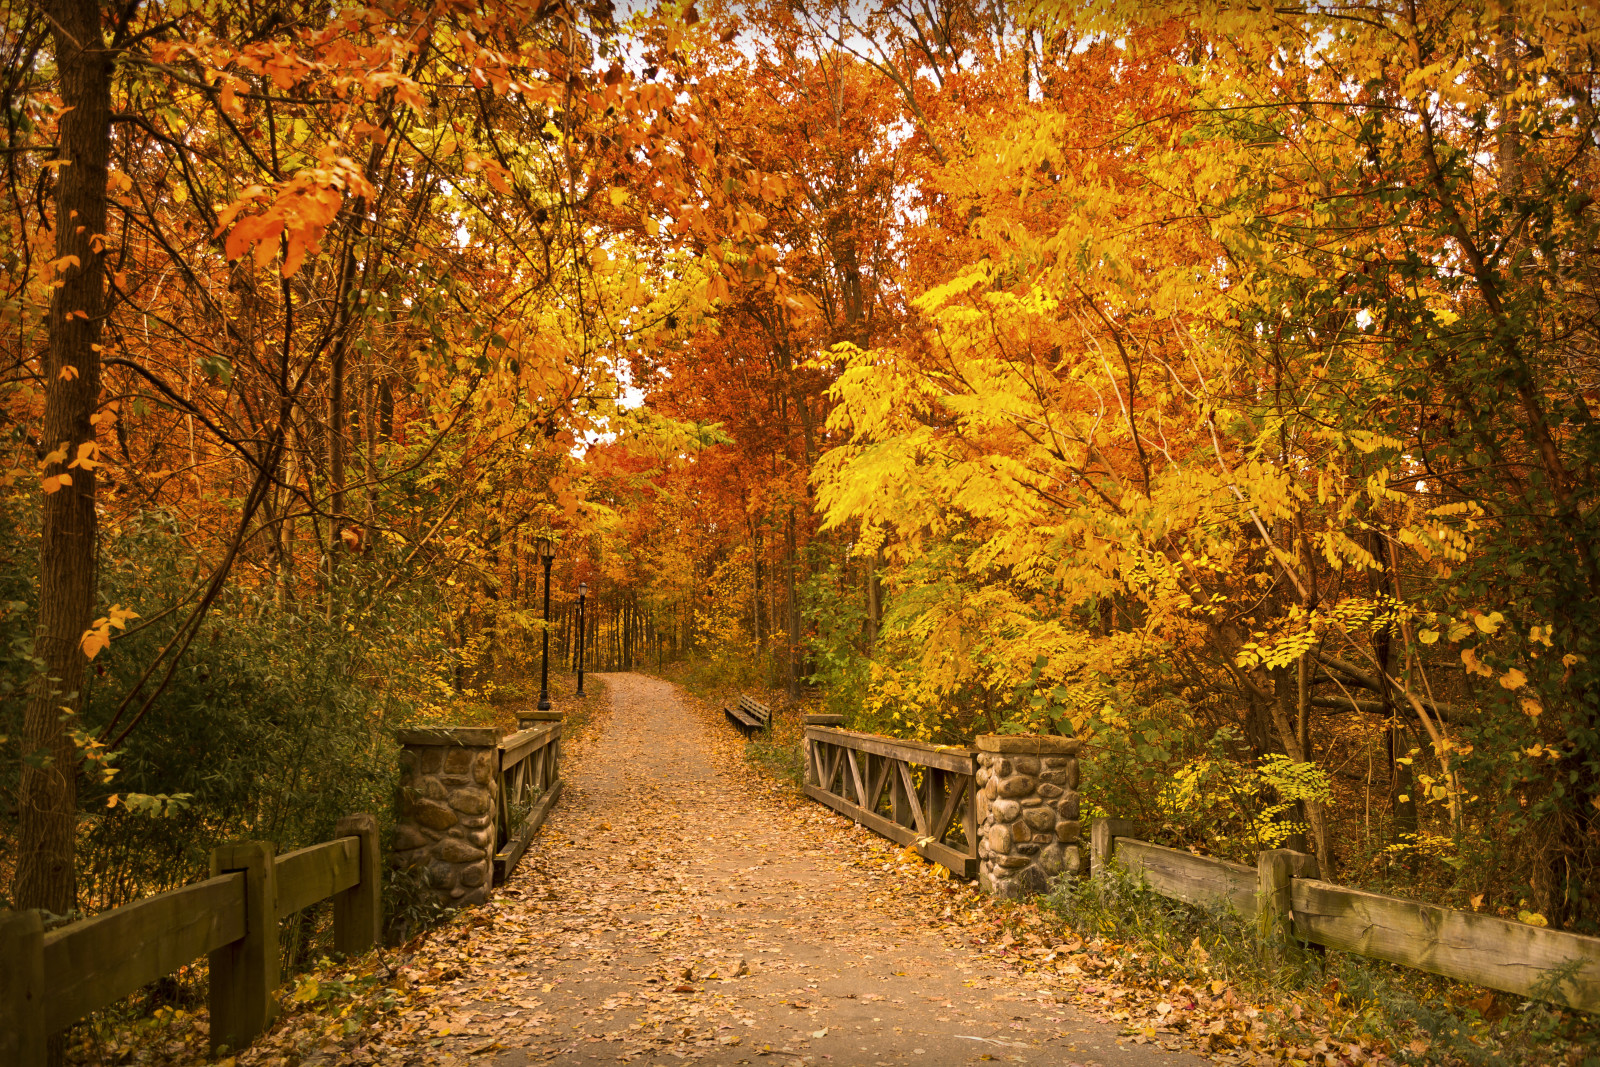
(530, 781)
(875, 781)
(1283, 891)
(50, 980)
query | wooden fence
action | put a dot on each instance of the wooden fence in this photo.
(530, 782)
(1283, 892)
(874, 780)
(49, 980)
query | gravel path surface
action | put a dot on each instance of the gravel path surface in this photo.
(676, 908)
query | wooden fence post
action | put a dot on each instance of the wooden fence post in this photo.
(244, 974)
(358, 911)
(22, 1034)
(1103, 834)
(1276, 871)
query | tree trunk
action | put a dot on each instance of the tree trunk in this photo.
(874, 599)
(48, 796)
(793, 657)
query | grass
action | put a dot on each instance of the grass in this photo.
(1418, 1017)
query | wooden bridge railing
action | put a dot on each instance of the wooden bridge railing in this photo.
(530, 782)
(917, 794)
(1284, 894)
(50, 980)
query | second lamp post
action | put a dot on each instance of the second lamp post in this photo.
(583, 594)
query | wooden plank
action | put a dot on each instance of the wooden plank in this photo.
(1104, 833)
(947, 758)
(245, 971)
(917, 814)
(933, 802)
(505, 861)
(1481, 949)
(835, 755)
(24, 1041)
(101, 960)
(855, 777)
(877, 780)
(516, 748)
(935, 852)
(899, 810)
(358, 911)
(1276, 870)
(308, 875)
(952, 806)
(1193, 879)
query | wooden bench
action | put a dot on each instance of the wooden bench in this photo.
(749, 715)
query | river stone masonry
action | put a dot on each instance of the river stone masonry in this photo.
(447, 798)
(1028, 826)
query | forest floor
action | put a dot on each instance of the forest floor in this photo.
(677, 907)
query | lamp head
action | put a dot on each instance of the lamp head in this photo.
(583, 589)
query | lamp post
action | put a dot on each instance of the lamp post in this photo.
(583, 594)
(547, 550)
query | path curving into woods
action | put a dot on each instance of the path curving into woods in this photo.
(675, 908)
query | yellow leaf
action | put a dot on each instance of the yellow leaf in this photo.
(1532, 707)
(619, 196)
(1428, 637)
(55, 482)
(1489, 623)
(93, 641)
(86, 454)
(1532, 918)
(1470, 658)
(1513, 679)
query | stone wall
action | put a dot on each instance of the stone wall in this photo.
(447, 798)
(1028, 826)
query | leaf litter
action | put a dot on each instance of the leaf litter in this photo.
(679, 906)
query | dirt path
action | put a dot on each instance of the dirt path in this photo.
(671, 910)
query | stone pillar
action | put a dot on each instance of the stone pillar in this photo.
(448, 796)
(1028, 827)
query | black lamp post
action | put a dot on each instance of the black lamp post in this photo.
(547, 550)
(583, 594)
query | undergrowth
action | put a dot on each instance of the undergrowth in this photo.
(780, 752)
(1419, 1017)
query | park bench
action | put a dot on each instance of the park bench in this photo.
(749, 715)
